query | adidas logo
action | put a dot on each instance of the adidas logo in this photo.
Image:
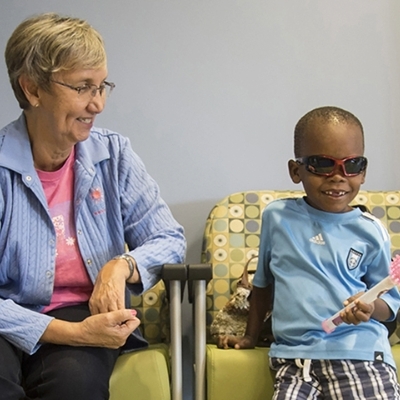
(318, 239)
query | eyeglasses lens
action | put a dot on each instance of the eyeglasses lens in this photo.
(105, 91)
(91, 90)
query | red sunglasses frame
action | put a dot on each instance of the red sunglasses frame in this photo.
(337, 164)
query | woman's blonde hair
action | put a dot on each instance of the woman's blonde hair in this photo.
(48, 43)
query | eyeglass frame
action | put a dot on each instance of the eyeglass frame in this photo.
(93, 91)
(337, 163)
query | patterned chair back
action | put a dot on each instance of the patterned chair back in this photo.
(152, 308)
(232, 233)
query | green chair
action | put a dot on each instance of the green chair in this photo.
(231, 236)
(156, 372)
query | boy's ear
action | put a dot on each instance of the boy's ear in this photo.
(294, 168)
(364, 174)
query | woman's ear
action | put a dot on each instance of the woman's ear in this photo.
(294, 171)
(30, 90)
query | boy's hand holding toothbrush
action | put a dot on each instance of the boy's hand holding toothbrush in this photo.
(359, 312)
(364, 305)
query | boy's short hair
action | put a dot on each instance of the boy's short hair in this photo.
(48, 43)
(322, 115)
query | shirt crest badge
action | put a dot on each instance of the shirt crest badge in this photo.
(353, 259)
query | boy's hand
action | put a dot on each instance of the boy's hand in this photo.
(361, 312)
(236, 342)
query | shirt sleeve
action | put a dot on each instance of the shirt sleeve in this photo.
(16, 321)
(379, 270)
(152, 234)
(263, 277)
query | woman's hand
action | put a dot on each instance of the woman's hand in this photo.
(236, 342)
(109, 288)
(101, 330)
(109, 329)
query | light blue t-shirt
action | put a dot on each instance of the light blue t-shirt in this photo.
(317, 260)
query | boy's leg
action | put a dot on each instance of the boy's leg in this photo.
(10, 371)
(358, 380)
(58, 372)
(332, 379)
(294, 380)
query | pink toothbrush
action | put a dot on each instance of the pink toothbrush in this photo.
(369, 296)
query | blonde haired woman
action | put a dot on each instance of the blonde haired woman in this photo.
(72, 196)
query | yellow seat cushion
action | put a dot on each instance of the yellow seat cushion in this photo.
(145, 374)
(238, 374)
(142, 375)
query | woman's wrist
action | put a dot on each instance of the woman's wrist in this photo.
(131, 264)
(63, 333)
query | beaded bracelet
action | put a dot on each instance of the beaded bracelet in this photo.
(130, 262)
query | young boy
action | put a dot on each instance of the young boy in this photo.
(316, 252)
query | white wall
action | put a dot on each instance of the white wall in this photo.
(209, 91)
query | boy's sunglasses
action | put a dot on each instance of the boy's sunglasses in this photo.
(326, 166)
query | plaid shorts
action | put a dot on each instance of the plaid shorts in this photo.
(334, 380)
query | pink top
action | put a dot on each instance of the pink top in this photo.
(72, 284)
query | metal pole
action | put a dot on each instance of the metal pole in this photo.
(176, 339)
(200, 338)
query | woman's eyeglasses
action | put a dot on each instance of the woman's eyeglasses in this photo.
(90, 90)
(326, 166)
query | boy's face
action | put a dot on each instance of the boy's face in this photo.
(338, 140)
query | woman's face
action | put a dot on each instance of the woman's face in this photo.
(64, 115)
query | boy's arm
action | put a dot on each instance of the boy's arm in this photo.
(260, 303)
(382, 311)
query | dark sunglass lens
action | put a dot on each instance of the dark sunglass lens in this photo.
(321, 165)
(354, 165)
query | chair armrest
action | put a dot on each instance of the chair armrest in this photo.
(174, 272)
(197, 273)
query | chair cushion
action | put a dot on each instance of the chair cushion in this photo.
(238, 374)
(142, 375)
